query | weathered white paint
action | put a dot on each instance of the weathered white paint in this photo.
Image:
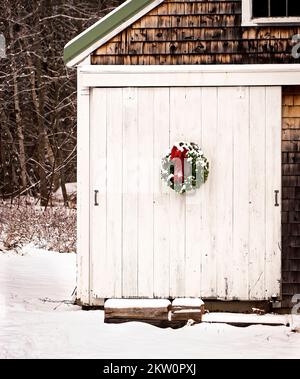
(114, 225)
(209, 207)
(161, 210)
(177, 208)
(145, 171)
(190, 76)
(273, 164)
(222, 242)
(222, 165)
(193, 98)
(100, 275)
(83, 198)
(130, 192)
(257, 192)
(241, 160)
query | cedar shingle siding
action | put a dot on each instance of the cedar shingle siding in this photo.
(291, 193)
(198, 32)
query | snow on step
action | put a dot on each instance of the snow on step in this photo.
(245, 319)
(190, 303)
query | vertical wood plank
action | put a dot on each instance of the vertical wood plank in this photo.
(145, 191)
(114, 191)
(223, 241)
(273, 183)
(224, 190)
(179, 120)
(257, 190)
(194, 199)
(99, 274)
(162, 211)
(239, 263)
(83, 189)
(130, 198)
(209, 205)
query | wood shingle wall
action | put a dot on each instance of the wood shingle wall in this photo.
(198, 32)
(291, 193)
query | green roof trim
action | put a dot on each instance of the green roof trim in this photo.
(102, 29)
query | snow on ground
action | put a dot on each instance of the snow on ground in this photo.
(37, 321)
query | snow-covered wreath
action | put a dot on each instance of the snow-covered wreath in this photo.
(185, 168)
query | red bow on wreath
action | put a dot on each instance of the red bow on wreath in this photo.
(179, 157)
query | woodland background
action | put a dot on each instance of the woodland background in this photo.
(38, 94)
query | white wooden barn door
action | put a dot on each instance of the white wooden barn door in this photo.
(222, 241)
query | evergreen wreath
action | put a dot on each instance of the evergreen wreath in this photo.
(185, 168)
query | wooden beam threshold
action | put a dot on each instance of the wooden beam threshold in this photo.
(163, 313)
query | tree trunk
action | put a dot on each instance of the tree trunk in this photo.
(20, 132)
(38, 100)
(63, 188)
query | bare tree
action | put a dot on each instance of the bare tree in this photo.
(38, 94)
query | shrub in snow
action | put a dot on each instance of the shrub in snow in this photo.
(51, 229)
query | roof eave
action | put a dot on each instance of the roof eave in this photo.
(98, 34)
